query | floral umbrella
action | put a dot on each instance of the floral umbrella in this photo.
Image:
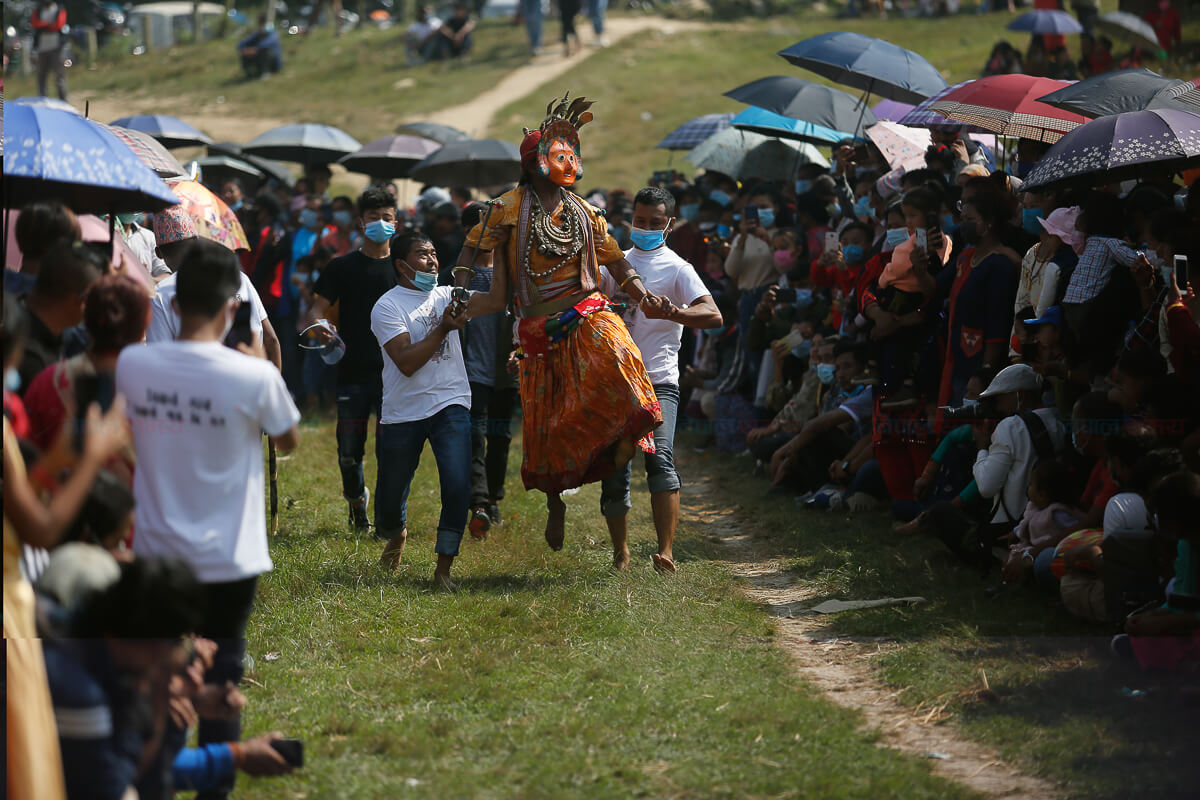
(901, 146)
(214, 220)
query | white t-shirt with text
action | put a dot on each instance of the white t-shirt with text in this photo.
(442, 380)
(164, 319)
(198, 410)
(663, 273)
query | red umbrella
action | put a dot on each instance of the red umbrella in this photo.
(1008, 105)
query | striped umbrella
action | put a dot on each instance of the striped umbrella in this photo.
(214, 220)
(1007, 105)
(148, 149)
(922, 116)
(695, 131)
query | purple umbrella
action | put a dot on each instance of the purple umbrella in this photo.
(1111, 149)
(891, 110)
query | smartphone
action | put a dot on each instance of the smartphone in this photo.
(292, 751)
(662, 176)
(787, 295)
(922, 241)
(99, 389)
(933, 231)
(831, 241)
(1181, 273)
(240, 332)
(750, 214)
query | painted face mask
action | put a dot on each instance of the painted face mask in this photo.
(562, 163)
(825, 373)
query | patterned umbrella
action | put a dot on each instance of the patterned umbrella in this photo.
(1129, 28)
(1111, 92)
(1185, 96)
(867, 63)
(726, 151)
(695, 131)
(923, 116)
(1045, 20)
(148, 149)
(390, 157)
(1007, 105)
(768, 123)
(303, 143)
(171, 131)
(1111, 149)
(46, 102)
(214, 220)
(901, 146)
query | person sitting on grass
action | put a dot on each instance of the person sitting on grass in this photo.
(453, 37)
(260, 52)
(803, 405)
(1048, 517)
(419, 37)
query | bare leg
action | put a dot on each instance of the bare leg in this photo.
(556, 520)
(392, 552)
(441, 575)
(618, 531)
(666, 519)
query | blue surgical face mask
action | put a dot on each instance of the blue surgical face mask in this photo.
(423, 281)
(379, 230)
(647, 240)
(237, 206)
(825, 373)
(723, 231)
(862, 207)
(343, 218)
(721, 197)
(1029, 220)
(715, 332)
(309, 218)
(803, 349)
(853, 253)
(690, 211)
(896, 236)
(948, 223)
(12, 379)
(766, 217)
(804, 298)
(803, 186)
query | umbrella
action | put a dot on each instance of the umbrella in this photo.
(442, 134)
(304, 143)
(45, 102)
(891, 110)
(218, 169)
(214, 219)
(1110, 92)
(863, 62)
(694, 131)
(768, 123)
(1008, 105)
(1185, 96)
(92, 229)
(390, 157)
(923, 116)
(1046, 21)
(1122, 146)
(901, 146)
(1129, 28)
(271, 169)
(470, 162)
(805, 101)
(171, 131)
(764, 160)
(725, 152)
(149, 150)
(56, 155)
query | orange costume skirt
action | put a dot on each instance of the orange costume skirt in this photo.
(583, 390)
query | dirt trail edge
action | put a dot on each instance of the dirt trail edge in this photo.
(840, 667)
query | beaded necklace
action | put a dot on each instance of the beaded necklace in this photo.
(566, 240)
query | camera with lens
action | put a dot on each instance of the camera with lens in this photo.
(970, 411)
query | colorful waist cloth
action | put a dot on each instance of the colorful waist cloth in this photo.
(583, 390)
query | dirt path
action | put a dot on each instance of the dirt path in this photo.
(841, 668)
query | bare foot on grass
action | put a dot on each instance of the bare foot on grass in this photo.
(444, 583)
(621, 560)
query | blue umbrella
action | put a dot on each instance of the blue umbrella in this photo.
(1046, 20)
(694, 131)
(873, 65)
(56, 155)
(768, 123)
(45, 102)
(304, 143)
(1111, 149)
(169, 131)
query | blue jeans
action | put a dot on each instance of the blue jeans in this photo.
(355, 404)
(398, 449)
(532, 10)
(660, 465)
(595, 11)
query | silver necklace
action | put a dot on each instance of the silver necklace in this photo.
(564, 240)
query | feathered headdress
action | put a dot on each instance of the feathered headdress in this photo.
(563, 120)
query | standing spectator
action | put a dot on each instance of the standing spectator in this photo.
(341, 237)
(568, 10)
(49, 19)
(531, 10)
(446, 233)
(751, 260)
(260, 52)
(595, 12)
(453, 37)
(1088, 11)
(38, 227)
(1166, 23)
(356, 281)
(233, 194)
(141, 241)
(198, 411)
(418, 38)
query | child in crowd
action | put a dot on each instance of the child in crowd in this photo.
(1049, 516)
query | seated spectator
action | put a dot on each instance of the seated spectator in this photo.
(418, 38)
(1004, 60)
(1093, 418)
(801, 407)
(1049, 516)
(1133, 375)
(453, 37)
(261, 52)
(39, 226)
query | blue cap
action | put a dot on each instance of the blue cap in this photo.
(1053, 316)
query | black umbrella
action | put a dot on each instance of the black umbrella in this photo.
(390, 157)
(806, 101)
(271, 169)
(442, 134)
(304, 143)
(471, 162)
(1110, 92)
(218, 169)
(867, 63)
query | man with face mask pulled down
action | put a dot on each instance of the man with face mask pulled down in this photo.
(585, 395)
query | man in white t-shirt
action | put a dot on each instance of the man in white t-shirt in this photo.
(668, 276)
(426, 397)
(198, 410)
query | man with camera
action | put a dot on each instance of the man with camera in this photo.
(1012, 432)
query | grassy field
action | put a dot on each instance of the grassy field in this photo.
(1063, 709)
(548, 675)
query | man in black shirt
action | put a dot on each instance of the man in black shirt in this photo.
(356, 281)
(453, 38)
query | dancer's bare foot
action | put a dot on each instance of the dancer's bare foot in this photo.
(556, 521)
(444, 583)
(390, 559)
(663, 564)
(621, 560)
